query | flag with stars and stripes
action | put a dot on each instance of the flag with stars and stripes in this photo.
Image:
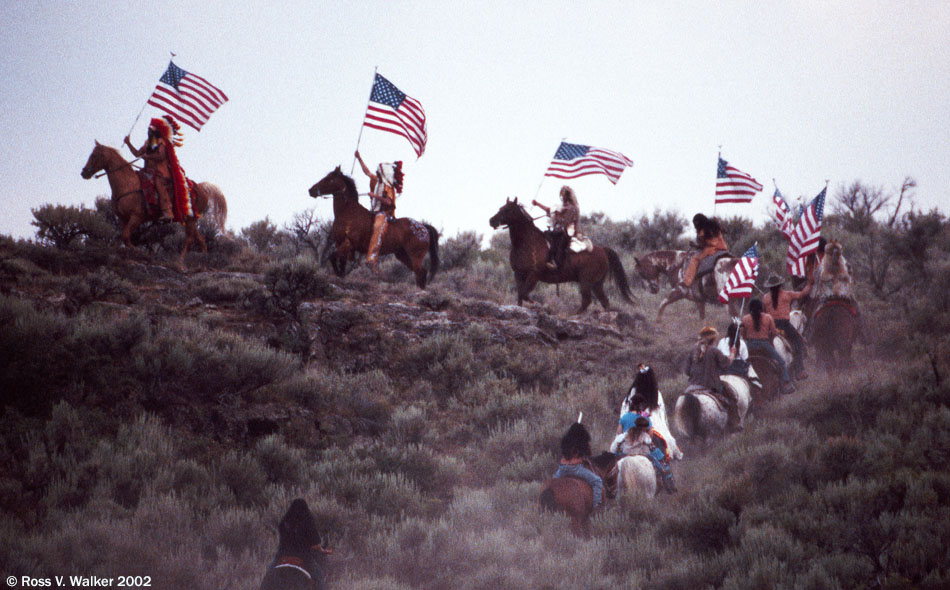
(742, 279)
(188, 98)
(782, 214)
(804, 238)
(394, 111)
(572, 160)
(734, 185)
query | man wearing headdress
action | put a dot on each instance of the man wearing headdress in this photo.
(384, 186)
(163, 168)
(563, 226)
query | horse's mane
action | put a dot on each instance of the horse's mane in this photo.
(350, 191)
(605, 460)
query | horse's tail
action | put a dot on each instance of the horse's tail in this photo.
(217, 204)
(547, 499)
(433, 250)
(620, 275)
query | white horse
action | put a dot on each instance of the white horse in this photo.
(636, 475)
(698, 415)
(658, 420)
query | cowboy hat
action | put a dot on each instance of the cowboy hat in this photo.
(774, 281)
(708, 332)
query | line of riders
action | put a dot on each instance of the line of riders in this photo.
(709, 359)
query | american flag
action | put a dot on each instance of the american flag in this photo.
(572, 160)
(804, 238)
(392, 110)
(783, 215)
(188, 98)
(742, 280)
(734, 185)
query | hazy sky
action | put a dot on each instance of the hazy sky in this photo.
(796, 91)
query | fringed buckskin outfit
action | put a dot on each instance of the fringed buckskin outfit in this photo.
(384, 186)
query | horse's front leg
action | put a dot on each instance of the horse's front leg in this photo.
(674, 296)
(525, 284)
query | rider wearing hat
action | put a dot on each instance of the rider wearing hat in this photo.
(778, 304)
(704, 366)
(384, 186)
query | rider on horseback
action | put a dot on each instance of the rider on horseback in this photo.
(161, 163)
(740, 365)
(704, 366)
(779, 305)
(563, 226)
(758, 329)
(708, 242)
(384, 186)
(575, 452)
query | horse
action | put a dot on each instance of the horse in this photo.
(705, 289)
(636, 475)
(835, 326)
(661, 263)
(698, 415)
(409, 240)
(128, 198)
(575, 497)
(529, 255)
(300, 560)
(767, 370)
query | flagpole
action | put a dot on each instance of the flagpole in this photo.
(363, 124)
(139, 116)
(543, 176)
(718, 157)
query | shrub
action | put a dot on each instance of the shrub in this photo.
(65, 227)
(460, 251)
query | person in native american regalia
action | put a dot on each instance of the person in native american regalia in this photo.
(708, 242)
(564, 221)
(163, 169)
(384, 186)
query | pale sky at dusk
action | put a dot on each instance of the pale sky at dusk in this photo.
(800, 92)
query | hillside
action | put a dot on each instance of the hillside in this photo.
(159, 423)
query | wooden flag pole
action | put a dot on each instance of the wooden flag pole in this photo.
(363, 124)
(139, 116)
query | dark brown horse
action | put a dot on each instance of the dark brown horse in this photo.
(835, 325)
(300, 560)
(352, 228)
(659, 264)
(529, 255)
(128, 198)
(575, 497)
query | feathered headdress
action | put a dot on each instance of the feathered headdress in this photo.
(168, 129)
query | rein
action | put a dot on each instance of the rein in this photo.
(117, 168)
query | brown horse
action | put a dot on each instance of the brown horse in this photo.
(529, 255)
(705, 289)
(835, 325)
(661, 263)
(352, 228)
(128, 198)
(575, 497)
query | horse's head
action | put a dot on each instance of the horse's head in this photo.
(510, 213)
(833, 252)
(97, 161)
(647, 270)
(332, 184)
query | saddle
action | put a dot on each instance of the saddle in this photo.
(148, 190)
(708, 264)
